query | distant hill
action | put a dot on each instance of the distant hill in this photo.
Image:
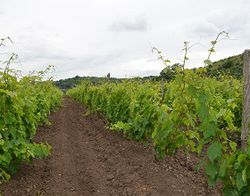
(232, 66)
(72, 82)
(229, 66)
(68, 83)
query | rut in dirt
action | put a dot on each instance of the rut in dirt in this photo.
(87, 159)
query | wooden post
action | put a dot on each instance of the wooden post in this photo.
(246, 100)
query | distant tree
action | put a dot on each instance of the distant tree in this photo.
(169, 72)
(108, 76)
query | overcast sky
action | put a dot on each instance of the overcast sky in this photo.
(95, 37)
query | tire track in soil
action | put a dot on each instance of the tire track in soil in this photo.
(89, 160)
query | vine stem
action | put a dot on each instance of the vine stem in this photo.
(211, 50)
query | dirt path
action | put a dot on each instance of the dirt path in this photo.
(89, 160)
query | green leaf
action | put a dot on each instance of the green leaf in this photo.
(5, 176)
(244, 174)
(223, 168)
(213, 42)
(208, 62)
(221, 113)
(214, 151)
(211, 170)
(2, 142)
(233, 145)
(240, 182)
(211, 50)
(209, 128)
(228, 191)
(6, 157)
(241, 158)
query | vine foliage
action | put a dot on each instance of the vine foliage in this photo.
(25, 103)
(197, 114)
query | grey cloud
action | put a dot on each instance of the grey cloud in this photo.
(97, 37)
(137, 24)
(36, 53)
(96, 61)
(1, 12)
(205, 29)
(67, 65)
(230, 20)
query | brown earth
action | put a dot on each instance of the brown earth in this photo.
(87, 159)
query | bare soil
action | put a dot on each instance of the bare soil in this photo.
(87, 159)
